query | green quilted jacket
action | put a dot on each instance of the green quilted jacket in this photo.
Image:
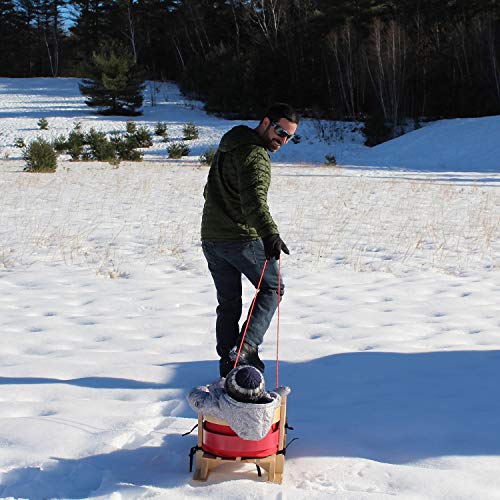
(236, 190)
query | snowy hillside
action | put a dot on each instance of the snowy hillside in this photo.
(390, 324)
(466, 145)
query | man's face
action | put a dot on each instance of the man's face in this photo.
(274, 133)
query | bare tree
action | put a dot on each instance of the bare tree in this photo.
(343, 46)
(236, 25)
(267, 16)
(386, 64)
(493, 58)
(129, 30)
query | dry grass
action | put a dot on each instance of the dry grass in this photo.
(108, 219)
(380, 224)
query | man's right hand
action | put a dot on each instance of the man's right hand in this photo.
(273, 245)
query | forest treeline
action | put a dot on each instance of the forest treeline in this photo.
(344, 59)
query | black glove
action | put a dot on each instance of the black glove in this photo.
(273, 245)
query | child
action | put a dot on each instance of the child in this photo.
(241, 400)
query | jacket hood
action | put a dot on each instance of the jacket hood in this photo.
(239, 136)
(250, 421)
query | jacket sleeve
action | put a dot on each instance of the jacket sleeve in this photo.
(283, 390)
(200, 399)
(254, 178)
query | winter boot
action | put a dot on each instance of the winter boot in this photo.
(249, 355)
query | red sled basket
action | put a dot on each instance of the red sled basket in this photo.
(218, 444)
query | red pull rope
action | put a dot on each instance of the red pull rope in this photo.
(250, 314)
(278, 332)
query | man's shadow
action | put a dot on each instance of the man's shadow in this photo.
(388, 407)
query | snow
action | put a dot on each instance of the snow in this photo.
(389, 325)
(465, 144)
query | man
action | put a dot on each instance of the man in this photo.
(238, 233)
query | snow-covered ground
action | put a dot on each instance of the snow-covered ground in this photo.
(390, 321)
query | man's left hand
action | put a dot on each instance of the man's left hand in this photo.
(273, 246)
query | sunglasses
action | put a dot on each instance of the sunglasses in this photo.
(281, 132)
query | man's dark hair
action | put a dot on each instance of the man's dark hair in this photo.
(280, 110)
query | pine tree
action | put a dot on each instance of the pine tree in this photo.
(114, 84)
(10, 40)
(92, 22)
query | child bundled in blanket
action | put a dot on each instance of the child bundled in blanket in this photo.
(241, 400)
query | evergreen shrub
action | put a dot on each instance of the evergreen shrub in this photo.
(125, 148)
(190, 131)
(207, 157)
(43, 124)
(131, 127)
(100, 147)
(19, 143)
(60, 144)
(330, 159)
(143, 137)
(177, 150)
(40, 156)
(75, 143)
(161, 129)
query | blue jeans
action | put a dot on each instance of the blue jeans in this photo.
(227, 262)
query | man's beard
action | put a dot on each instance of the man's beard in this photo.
(273, 145)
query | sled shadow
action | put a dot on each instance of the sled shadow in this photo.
(389, 407)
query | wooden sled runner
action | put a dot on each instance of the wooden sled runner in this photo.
(218, 444)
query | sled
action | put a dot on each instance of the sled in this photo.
(219, 444)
